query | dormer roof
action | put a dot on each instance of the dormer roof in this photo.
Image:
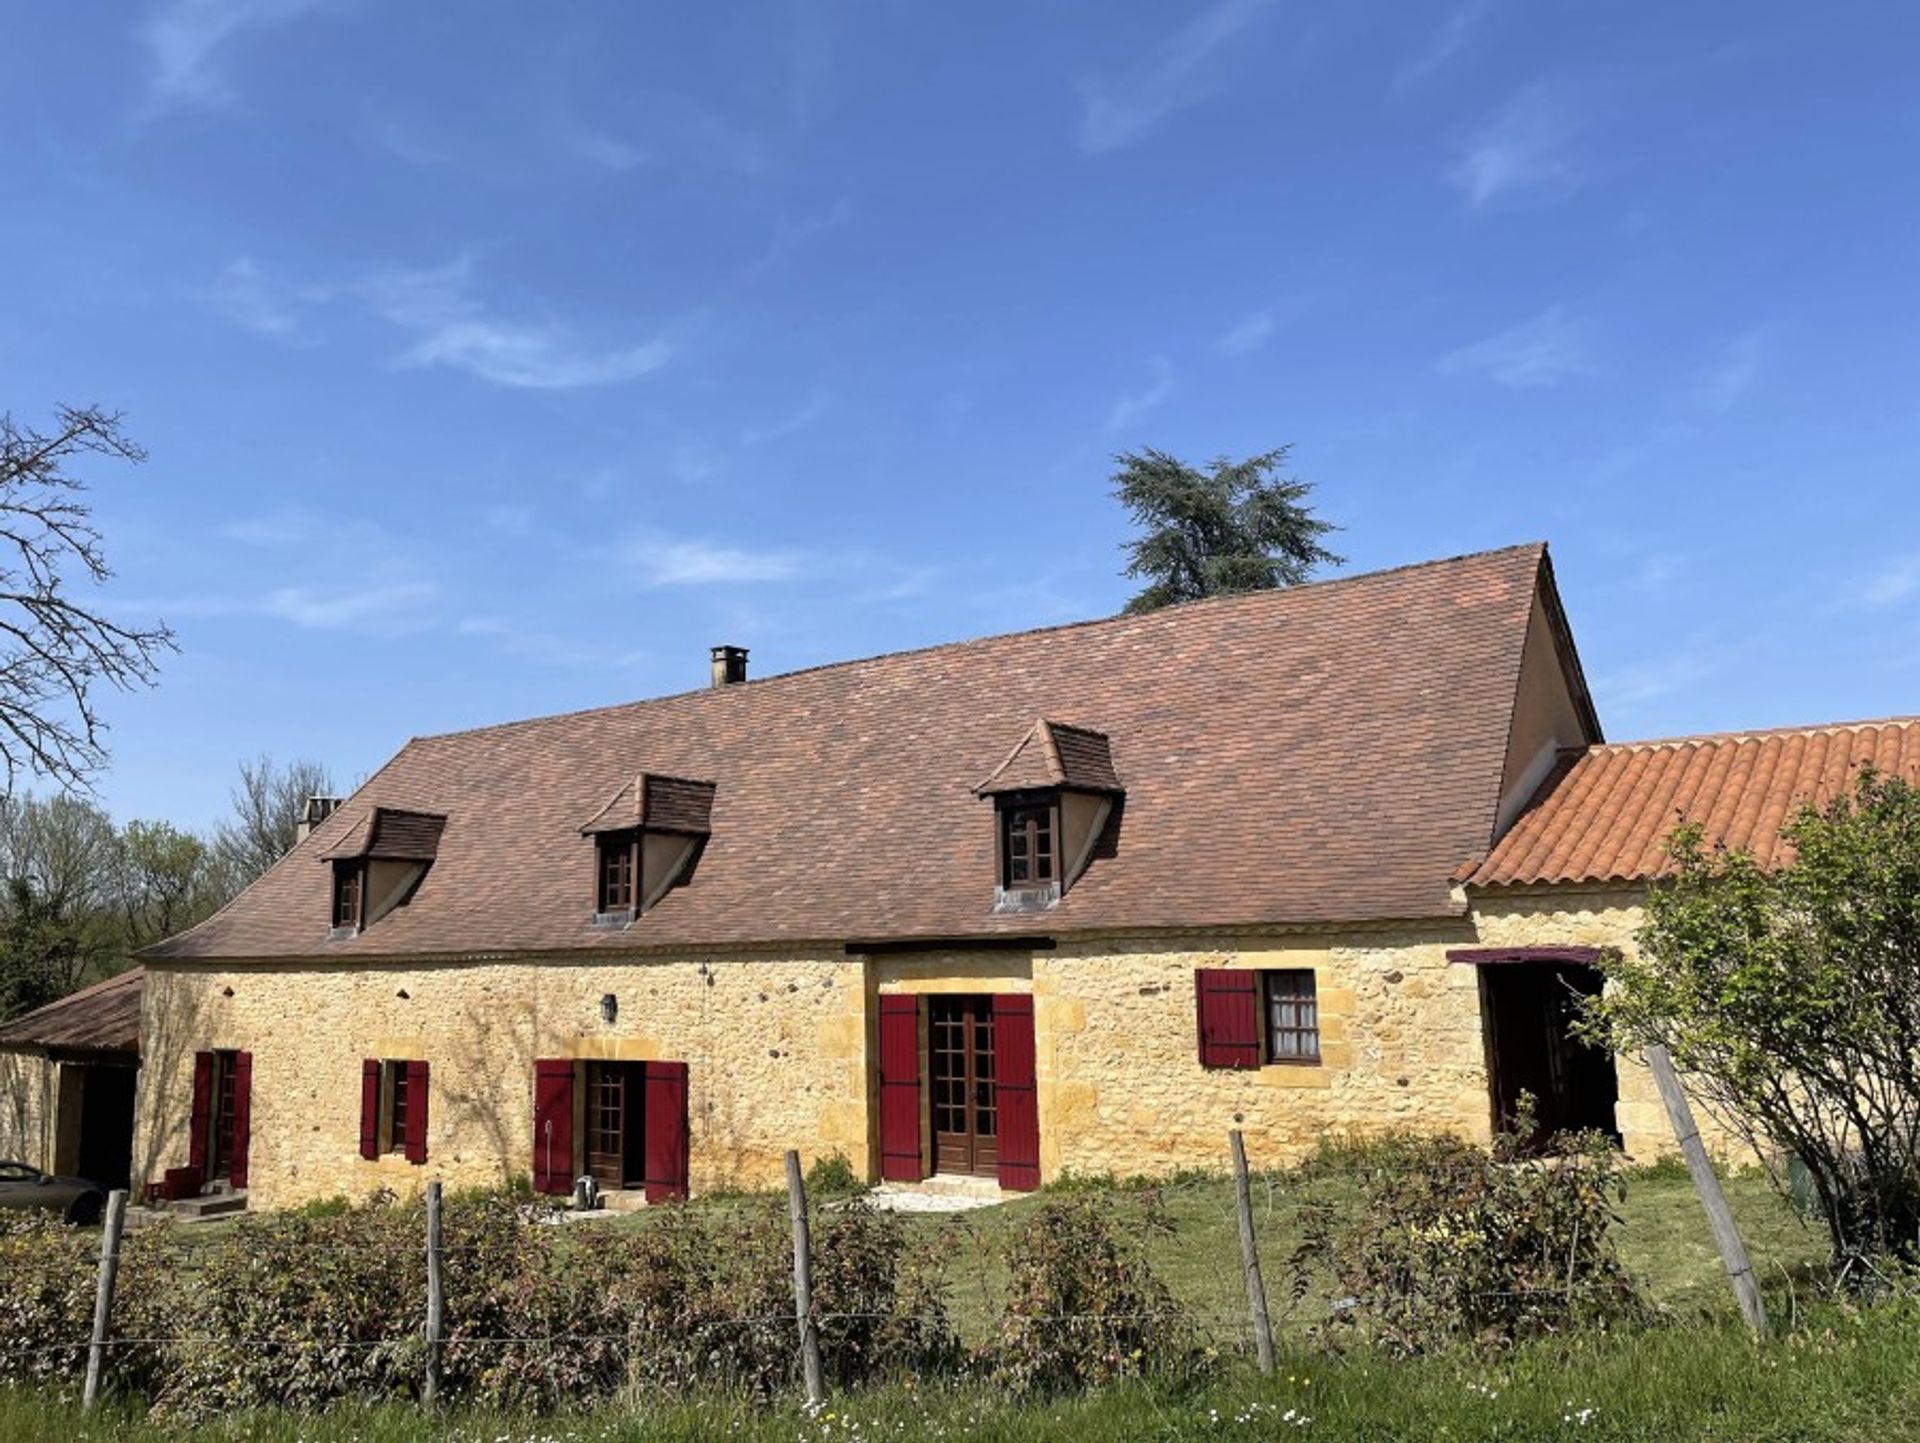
(1053, 754)
(655, 803)
(389, 834)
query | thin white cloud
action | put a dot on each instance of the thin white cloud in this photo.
(1634, 686)
(1520, 154)
(253, 300)
(1447, 42)
(1537, 353)
(671, 561)
(1120, 111)
(381, 607)
(451, 328)
(1130, 409)
(1250, 333)
(1722, 385)
(1892, 584)
(798, 420)
(187, 43)
(608, 152)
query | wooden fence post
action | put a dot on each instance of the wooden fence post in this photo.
(803, 1284)
(103, 1295)
(436, 1296)
(1250, 1257)
(1726, 1233)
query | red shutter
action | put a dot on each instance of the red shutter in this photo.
(1228, 1004)
(900, 1089)
(553, 1126)
(1015, 1093)
(416, 1138)
(242, 1116)
(200, 1120)
(664, 1131)
(369, 1108)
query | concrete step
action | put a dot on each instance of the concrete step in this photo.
(208, 1207)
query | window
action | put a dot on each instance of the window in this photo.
(393, 1109)
(1293, 1017)
(616, 873)
(349, 886)
(1026, 844)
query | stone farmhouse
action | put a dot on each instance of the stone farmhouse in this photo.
(1079, 899)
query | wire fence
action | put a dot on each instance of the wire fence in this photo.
(1096, 1282)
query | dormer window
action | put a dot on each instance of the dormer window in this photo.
(379, 862)
(1053, 800)
(1026, 843)
(617, 866)
(647, 840)
(349, 887)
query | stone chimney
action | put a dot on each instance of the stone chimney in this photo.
(316, 811)
(729, 665)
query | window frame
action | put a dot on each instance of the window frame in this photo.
(350, 875)
(606, 846)
(1006, 809)
(1304, 1005)
(394, 1093)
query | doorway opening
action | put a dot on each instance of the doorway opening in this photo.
(616, 1112)
(106, 1125)
(1529, 1009)
(965, 1102)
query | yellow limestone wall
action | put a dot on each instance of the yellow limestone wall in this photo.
(28, 1093)
(776, 1051)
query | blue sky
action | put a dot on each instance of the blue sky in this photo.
(496, 359)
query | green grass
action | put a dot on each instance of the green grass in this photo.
(1848, 1378)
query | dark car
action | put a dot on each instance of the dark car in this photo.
(74, 1198)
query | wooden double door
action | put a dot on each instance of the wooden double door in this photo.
(962, 1059)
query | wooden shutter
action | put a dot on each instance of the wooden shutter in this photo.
(370, 1108)
(416, 1138)
(200, 1119)
(900, 1089)
(242, 1116)
(1015, 1093)
(553, 1126)
(1227, 1001)
(664, 1131)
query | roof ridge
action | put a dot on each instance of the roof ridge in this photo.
(1183, 608)
(1750, 734)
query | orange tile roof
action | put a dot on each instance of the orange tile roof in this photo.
(1605, 813)
(1323, 753)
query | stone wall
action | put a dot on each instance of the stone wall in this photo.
(776, 1051)
(28, 1116)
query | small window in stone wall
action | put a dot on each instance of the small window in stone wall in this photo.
(393, 1109)
(1293, 1017)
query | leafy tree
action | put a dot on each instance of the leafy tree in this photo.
(59, 927)
(267, 804)
(54, 649)
(169, 880)
(1234, 526)
(1792, 997)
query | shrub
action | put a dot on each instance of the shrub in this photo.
(1450, 1242)
(48, 1272)
(832, 1176)
(1084, 1306)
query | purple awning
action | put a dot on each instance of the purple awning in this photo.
(1490, 956)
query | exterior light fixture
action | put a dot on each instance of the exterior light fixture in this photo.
(609, 1008)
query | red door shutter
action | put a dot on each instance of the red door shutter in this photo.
(369, 1108)
(664, 1131)
(200, 1120)
(900, 1089)
(1015, 1094)
(416, 1138)
(242, 1116)
(553, 1126)
(1228, 1003)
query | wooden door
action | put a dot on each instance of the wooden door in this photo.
(966, 1114)
(225, 1113)
(612, 1119)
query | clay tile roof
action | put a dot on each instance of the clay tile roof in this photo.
(661, 804)
(1052, 754)
(392, 834)
(1605, 813)
(102, 1018)
(1323, 753)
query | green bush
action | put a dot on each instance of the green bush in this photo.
(1084, 1306)
(832, 1176)
(1450, 1242)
